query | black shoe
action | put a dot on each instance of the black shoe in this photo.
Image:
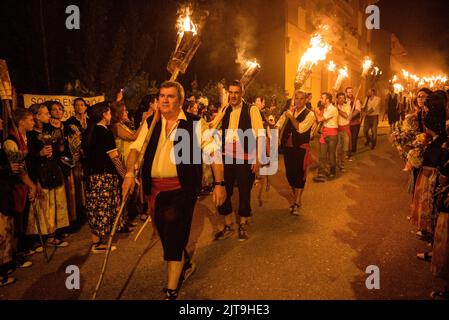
(243, 234)
(225, 233)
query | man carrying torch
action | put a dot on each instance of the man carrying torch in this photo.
(173, 181)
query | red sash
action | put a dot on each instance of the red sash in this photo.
(346, 129)
(159, 185)
(328, 132)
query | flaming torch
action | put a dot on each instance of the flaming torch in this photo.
(366, 66)
(342, 75)
(317, 52)
(252, 69)
(331, 66)
(187, 44)
(398, 88)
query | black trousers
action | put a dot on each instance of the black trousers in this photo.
(245, 179)
(294, 167)
(355, 129)
(173, 220)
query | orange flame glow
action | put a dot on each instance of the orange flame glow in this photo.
(185, 23)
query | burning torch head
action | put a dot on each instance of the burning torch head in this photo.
(252, 69)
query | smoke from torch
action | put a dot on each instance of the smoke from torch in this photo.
(317, 52)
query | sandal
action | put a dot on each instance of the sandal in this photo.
(99, 247)
(425, 256)
(57, 243)
(4, 281)
(440, 295)
(171, 294)
(294, 209)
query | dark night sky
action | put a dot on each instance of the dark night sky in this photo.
(422, 27)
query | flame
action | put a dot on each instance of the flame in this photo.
(331, 66)
(398, 87)
(376, 71)
(415, 77)
(185, 23)
(252, 64)
(317, 52)
(406, 74)
(367, 64)
(395, 78)
(343, 72)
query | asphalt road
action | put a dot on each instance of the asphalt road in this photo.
(346, 225)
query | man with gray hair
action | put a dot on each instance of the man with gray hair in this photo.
(173, 182)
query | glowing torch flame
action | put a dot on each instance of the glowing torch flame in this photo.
(406, 74)
(342, 74)
(395, 79)
(398, 88)
(252, 69)
(184, 23)
(331, 66)
(317, 52)
(367, 64)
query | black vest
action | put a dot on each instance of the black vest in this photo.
(297, 138)
(189, 174)
(244, 124)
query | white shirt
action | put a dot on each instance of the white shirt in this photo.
(374, 105)
(164, 165)
(303, 126)
(341, 120)
(331, 114)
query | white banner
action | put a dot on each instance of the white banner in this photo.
(66, 101)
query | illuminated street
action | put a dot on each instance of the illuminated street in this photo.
(322, 254)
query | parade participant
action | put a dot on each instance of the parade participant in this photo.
(295, 143)
(392, 109)
(371, 109)
(173, 186)
(344, 129)
(356, 119)
(241, 159)
(51, 206)
(104, 166)
(328, 138)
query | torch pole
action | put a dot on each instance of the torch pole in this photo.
(127, 196)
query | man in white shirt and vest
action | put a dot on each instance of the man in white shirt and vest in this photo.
(296, 125)
(171, 178)
(371, 109)
(242, 127)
